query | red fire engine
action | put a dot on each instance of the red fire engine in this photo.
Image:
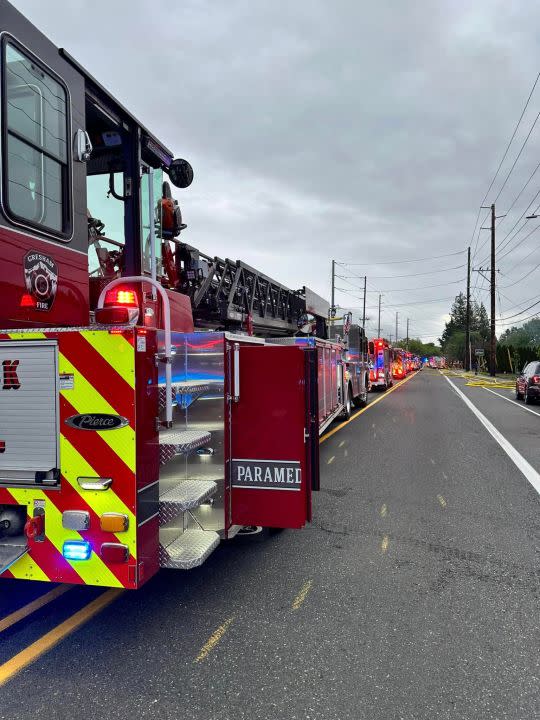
(141, 418)
(381, 358)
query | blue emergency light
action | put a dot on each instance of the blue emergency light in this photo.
(76, 550)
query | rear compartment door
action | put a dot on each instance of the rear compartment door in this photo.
(273, 461)
(28, 412)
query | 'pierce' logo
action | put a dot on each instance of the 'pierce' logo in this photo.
(11, 380)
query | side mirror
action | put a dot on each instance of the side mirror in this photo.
(181, 173)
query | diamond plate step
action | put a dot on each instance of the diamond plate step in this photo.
(186, 495)
(189, 550)
(179, 442)
(196, 388)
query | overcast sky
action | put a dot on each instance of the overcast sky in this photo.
(359, 131)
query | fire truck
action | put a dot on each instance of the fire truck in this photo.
(144, 417)
(381, 358)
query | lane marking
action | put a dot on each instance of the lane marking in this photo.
(299, 599)
(520, 406)
(45, 643)
(441, 500)
(384, 544)
(519, 461)
(31, 607)
(331, 460)
(384, 511)
(363, 410)
(432, 461)
(342, 443)
(445, 476)
(213, 640)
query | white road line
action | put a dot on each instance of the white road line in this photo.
(519, 461)
(521, 407)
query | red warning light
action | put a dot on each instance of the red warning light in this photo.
(28, 301)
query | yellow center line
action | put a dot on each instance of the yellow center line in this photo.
(384, 511)
(331, 460)
(45, 643)
(302, 595)
(363, 410)
(213, 640)
(31, 607)
(384, 544)
(441, 500)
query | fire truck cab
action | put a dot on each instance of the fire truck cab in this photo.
(130, 439)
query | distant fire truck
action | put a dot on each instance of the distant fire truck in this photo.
(381, 361)
(144, 417)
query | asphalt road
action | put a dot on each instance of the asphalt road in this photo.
(413, 595)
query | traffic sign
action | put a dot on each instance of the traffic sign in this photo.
(479, 352)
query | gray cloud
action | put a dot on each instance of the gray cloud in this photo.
(361, 131)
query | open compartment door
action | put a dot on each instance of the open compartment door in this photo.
(273, 464)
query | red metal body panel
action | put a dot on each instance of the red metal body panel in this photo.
(129, 387)
(70, 306)
(268, 424)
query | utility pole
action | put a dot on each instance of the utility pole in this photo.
(379, 325)
(396, 326)
(407, 333)
(467, 362)
(492, 271)
(333, 300)
(493, 338)
(364, 312)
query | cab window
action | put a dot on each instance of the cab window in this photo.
(35, 137)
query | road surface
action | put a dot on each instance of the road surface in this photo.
(413, 595)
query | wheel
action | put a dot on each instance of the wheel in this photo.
(518, 394)
(250, 534)
(527, 397)
(360, 401)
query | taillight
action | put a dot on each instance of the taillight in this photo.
(121, 296)
(114, 553)
(535, 379)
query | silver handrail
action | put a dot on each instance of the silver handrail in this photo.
(167, 330)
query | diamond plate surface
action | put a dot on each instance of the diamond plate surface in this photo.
(175, 442)
(186, 495)
(189, 550)
(195, 388)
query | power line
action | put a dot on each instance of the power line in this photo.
(501, 164)
(400, 262)
(523, 311)
(504, 287)
(392, 277)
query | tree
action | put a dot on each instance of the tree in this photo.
(526, 336)
(480, 321)
(458, 319)
(417, 347)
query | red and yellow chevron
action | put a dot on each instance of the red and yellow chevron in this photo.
(103, 367)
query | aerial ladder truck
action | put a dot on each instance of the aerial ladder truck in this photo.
(148, 410)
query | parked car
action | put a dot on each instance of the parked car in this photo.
(528, 383)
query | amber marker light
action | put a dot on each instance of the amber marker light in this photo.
(114, 522)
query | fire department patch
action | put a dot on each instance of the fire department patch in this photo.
(41, 279)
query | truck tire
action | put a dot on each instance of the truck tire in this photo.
(360, 401)
(346, 414)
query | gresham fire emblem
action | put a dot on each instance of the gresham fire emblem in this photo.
(41, 279)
